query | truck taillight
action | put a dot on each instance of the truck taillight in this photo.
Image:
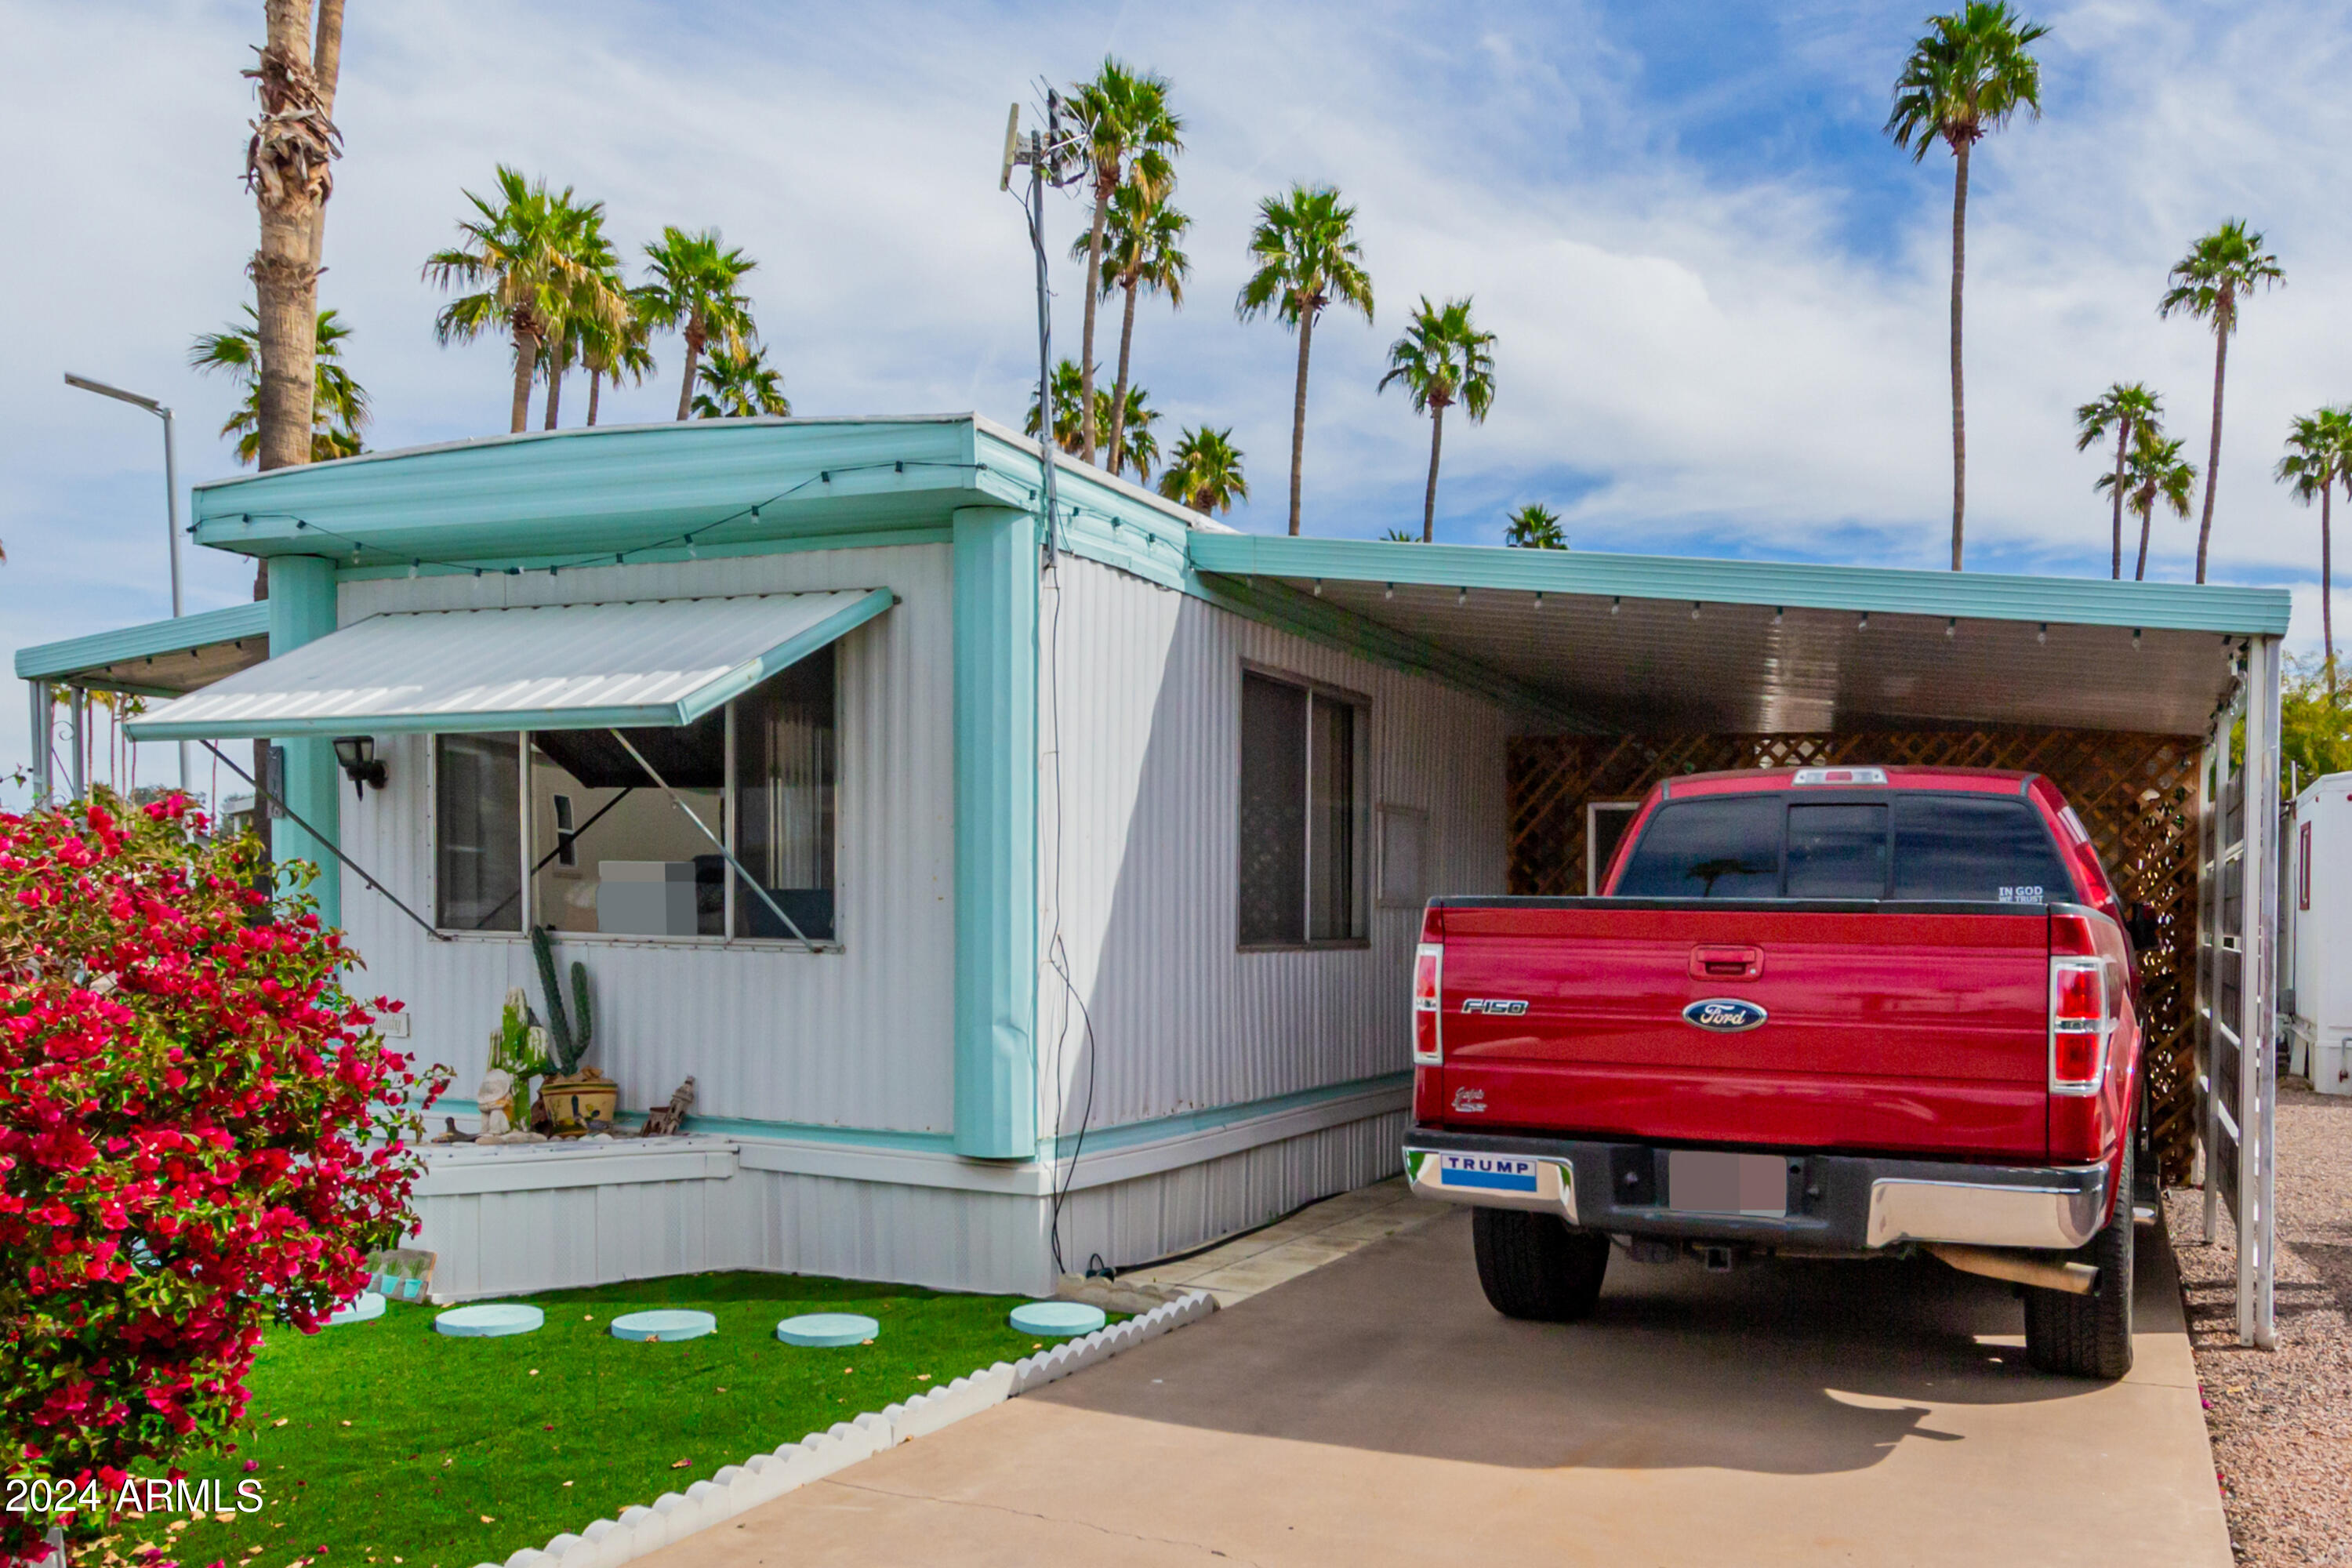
(1428, 1021)
(2083, 1014)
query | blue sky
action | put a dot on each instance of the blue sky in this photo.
(1719, 292)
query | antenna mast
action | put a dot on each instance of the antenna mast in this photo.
(1052, 159)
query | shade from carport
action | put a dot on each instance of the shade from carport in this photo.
(647, 664)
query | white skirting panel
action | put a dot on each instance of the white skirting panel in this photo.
(1132, 1222)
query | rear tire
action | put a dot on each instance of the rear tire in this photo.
(1533, 1266)
(2088, 1336)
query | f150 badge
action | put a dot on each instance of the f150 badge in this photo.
(1724, 1015)
(1493, 1007)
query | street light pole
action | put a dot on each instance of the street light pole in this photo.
(171, 498)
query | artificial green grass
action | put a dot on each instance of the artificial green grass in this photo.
(385, 1442)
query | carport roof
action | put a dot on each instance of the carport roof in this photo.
(1644, 642)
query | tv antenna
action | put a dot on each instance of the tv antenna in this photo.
(1055, 156)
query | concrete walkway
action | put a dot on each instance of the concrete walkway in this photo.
(1320, 1233)
(1376, 1410)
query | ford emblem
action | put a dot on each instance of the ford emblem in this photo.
(1725, 1014)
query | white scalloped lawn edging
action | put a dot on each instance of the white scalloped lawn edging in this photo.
(763, 1478)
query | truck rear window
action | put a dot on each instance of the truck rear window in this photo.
(1950, 848)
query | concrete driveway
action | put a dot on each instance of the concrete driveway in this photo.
(1377, 1411)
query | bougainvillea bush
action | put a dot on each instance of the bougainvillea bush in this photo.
(199, 1135)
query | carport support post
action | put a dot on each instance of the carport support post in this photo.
(44, 709)
(302, 610)
(2257, 989)
(996, 593)
(2216, 774)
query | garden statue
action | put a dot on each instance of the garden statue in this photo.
(495, 1099)
(669, 1120)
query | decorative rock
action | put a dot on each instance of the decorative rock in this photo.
(665, 1325)
(366, 1307)
(1060, 1319)
(828, 1328)
(490, 1321)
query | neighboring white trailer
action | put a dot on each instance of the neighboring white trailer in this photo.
(2319, 984)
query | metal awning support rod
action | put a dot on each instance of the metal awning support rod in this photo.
(262, 797)
(715, 842)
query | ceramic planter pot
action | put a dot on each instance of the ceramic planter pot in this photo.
(576, 1098)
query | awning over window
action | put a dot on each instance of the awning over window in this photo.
(559, 666)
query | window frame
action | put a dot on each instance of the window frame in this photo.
(1361, 867)
(727, 811)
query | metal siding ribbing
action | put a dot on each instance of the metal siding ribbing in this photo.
(855, 1038)
(1149, 690)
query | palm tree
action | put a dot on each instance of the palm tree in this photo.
(1131, 138)
(738, 385)
(1138, 448)
(1401, 536)
(522, 256)
(339, 409)
(2156, 471)
(1307, 259)
(2123, 409)
(1441, 359)
(614, 351)
(2318, 459)
(287, 167)
(1139, 253)
(1965, 77)
(596, 299)
(1069, 429)
(693, 290)
(1204, 471)
(2208, 283)
(1534, 527)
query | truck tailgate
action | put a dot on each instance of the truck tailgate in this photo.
(1884, 1026)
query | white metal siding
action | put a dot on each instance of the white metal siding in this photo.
(1148, 692)
(861, 1037)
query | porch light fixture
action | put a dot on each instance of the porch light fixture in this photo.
(360, 763)
(1777, 613)
(1952, 627)
(1863, 625)
(1461, 598)
(2135, 639)
(1390, 592)
(1615, 604)
(2043, 634)
(1693, 609)
(1539, 598)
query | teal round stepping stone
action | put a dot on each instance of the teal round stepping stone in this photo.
(368, 1306)
(665, 1325)
(490, 1321)
(823, 1328)
(1058, 1320)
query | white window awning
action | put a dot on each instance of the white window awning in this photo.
(641, 664)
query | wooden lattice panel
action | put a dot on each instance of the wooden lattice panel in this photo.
(2137, 794)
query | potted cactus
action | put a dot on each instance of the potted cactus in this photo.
(572, 1096)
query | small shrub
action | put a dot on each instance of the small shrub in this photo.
(198, 1136)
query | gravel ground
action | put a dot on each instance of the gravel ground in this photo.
(2281, 1420)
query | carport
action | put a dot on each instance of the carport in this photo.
(2128, 695)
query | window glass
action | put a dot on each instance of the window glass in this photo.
(1724, 847)
(1975, 849)
(1273, 811)
(629, 863)
(785, 751)
(1837, 852)
(477, 832)
(1331, 821)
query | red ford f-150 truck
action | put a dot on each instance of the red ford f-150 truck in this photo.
(1846, 1011)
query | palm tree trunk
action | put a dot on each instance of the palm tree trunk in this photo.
(554, 390)
(1118, 393)
(326, 65)
(1429, 496)
(2139, 574)
(1298, 415)
(2326, 610)
(1087, 344)
(2213, 453)
(596, 384)
(693, 352)
(287, 182)
(1959, 403)
(2123, 438)
(526, 343)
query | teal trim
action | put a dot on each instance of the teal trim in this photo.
(743, 1127)
(996, 832)
(302, 610)
(1127, 1134)
(1966, 595)
(871, 539)
(719, 690)
(61, 661)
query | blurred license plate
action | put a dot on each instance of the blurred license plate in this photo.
(1704, 1182)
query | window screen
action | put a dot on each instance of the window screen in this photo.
(784, 801)
(1728, 847)
(1975, 850)
(1837, 852)
(477, 832)
(1300, 804)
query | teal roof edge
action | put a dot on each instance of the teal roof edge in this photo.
(1968, 595)
(49, 661)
